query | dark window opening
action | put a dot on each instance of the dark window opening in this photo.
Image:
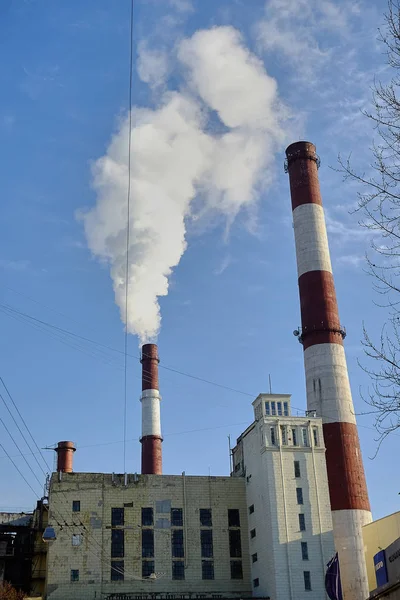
(178, 569)
(233, 517)
(76, 505)
(117, 543)
(302, 522)
(206, 539)
(147, 517)
(117, 516)
(147, 543)
(117, 570)
(299, 493)
(254, 557)
(74, 574)
(251, 509)
(304, 551)
(147, 568)
(176, 517)
(294, 437)
(207, 569)
(296, 468)
(256, 582)
(307, 580)
(253, 533)
(205, 517)
(235, 544)
(236, 569)
(177, 543)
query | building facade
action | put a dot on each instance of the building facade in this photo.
(282, 461)
(377, 535)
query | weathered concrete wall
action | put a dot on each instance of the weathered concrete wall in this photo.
(97, 494)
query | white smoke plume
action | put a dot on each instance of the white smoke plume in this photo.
(176, 158)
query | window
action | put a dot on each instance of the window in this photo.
(207, 569)
(273, 409)
(235, 545)
(256, 582)
(74, 574)
(236, 569)
(178, 569)
(176, 517)
(299, 493)
(273, 440)
(283, 435)
(117, 516)
(147, 568)
(76, 539)
(294, 437)
(177, 543)
(285, 409)
(253, 533)
(206, 539)
(147, 517)
(117, 543)
(302, 522)
(304, 550)
(205, 517)
(233, 517)
(267, 409)
(315, 436)
(251, 509)
(147, 543)
(117, 570)
(296, 468)
(76, 505)
(279, 405)
(307, 580)
(304, 435)
(254, 557)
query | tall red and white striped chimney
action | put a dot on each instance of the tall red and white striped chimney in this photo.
(151, 424)
(327, 380)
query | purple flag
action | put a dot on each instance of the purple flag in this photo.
(333, 584)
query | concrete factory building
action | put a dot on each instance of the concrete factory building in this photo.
(266, 531)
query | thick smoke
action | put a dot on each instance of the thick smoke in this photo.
(175, 159)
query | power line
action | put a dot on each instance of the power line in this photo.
(128, 216)
(20, 472)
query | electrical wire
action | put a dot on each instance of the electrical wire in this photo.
(128, 217)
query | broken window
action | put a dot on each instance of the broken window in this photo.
(176, 517)
(117, 516)
(233, 517)
(117, 543)
(206, 539)
(235, 545)
(147, 517)
(177, 543)
(178, 569)
(205, 517)
(147, 543)
(117, 570)
(147, 568)
(207, 569)
(236, 569)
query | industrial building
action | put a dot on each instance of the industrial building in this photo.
(295, 499)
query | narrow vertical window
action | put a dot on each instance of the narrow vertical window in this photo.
(233, 517)
(117, 517)
(177, 547)
(207, 569)
(254, 557)
(74, 574)
(236, 569)
(206, 540)
(315, 436)
(117, 570)
(307, 580)
(273, 409)
(267, 409)
(147, 568)
(304, 550)
(76, 505)
(176, 517)
(117, 543)
(273, 440)
(279, 405)
(294, 437)
(296, 468)
(251, 509)
(283, 435)
(178, 569)
(253, 533)
(299, 494)
(285, 409)
(147, 543)
(302, 522)
(304, 434)
(235, 544)
(147, 517)
(205, 517)
(256, 582)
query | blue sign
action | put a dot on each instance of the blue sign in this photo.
(380, 568)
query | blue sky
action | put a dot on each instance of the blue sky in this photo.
(232, 302)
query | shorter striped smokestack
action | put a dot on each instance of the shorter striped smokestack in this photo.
(151, 424)
(65, 457)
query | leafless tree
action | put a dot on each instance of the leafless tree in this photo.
(379, 203)
(8, 592)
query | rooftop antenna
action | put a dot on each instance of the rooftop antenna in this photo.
(270, 385)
